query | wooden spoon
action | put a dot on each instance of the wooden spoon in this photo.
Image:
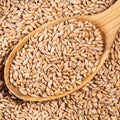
(108, 22)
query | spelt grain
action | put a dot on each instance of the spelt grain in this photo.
(13, 13)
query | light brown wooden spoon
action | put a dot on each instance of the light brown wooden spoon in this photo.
(108, 22)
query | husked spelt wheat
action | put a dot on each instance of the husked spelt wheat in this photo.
(57, 59)
(99, 100)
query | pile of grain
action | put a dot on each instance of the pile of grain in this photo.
(99, 100)
(57, 59)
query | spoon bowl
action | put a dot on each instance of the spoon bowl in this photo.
(108, 22)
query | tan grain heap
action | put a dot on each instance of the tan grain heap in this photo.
(99, 100)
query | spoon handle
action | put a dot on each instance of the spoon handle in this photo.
(109, 22)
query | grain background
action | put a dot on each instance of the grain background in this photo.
(99, 100)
